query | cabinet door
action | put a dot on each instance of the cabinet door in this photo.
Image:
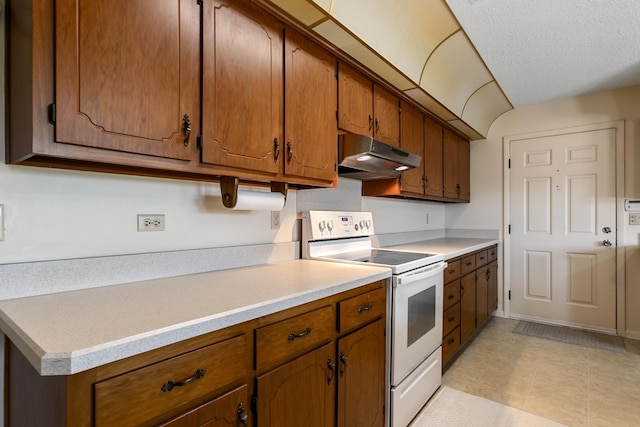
(311, 131)
(467, 306)
(482, 284)
(412, 139)
(301, 392)
(386, 109)
(432, 158)
(450, 166)
(361, 379)
(464, 169)
(127, 75)
(492, 287)
(355, 101)
(242, 93)
(228, 410)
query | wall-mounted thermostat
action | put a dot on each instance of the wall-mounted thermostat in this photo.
(632, 205)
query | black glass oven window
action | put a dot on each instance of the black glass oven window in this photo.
(422, 314)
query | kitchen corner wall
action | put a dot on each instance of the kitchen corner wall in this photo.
(487, 171)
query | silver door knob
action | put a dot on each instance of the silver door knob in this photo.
(607, 243)
(606, 230)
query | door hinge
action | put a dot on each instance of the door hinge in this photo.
(51, 111)
(509, 228)
(509, 163)
(509, 295)
(199, 142)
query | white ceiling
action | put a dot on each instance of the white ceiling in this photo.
(541, 50)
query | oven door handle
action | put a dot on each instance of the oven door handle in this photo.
(420, 274)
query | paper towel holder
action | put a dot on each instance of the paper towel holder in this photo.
(229, 190)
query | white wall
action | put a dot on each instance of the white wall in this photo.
(486, 207)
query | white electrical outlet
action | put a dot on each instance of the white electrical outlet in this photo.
(1, 223)
(150, 222)
(634, 219)
(275, 220)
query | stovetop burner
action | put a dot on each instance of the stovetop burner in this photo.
(381, 256)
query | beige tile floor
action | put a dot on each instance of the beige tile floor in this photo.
(567, 383)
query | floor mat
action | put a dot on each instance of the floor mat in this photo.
(571, 336)
(453, 408)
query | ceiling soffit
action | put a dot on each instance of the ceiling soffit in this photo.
(415, 46)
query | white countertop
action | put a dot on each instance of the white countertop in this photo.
(450, 247)
(69, 332)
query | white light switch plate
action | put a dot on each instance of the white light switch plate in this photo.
(634, 219)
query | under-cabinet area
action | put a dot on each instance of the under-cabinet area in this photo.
(321, 360)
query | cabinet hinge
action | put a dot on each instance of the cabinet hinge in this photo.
(199, 142)
(51, 111)
(509, 295)
(254, 404)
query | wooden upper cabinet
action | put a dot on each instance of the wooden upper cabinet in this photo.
(355, 101)
(412, 139)
(242, 93)
(386, 110)
(432, 158)
(456, 167)
(311, 93)
(127, 75)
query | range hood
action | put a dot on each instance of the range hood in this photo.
(365, 158)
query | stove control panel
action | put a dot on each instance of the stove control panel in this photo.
(324, 225)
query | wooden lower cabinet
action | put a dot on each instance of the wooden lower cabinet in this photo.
(229, 410)
(317, 364)
(467, 306)
(476, 276)
(361, 384)
(301, 392)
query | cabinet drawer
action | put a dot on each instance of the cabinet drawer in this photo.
(451, 294)
(147, 393)
(450, 319)
(452, 272)
(468, 264)
(450, 344)
(361, 309)
(295, 336)
(492, 253)
(481, 258)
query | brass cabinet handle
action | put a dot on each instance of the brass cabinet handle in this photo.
(451, 341)
(306, 332)
(276, 150)
(169, 385)
(242, 414)
(451, 297)
(365, 308)
(370, 122)
(343, 359)
(186, 123)
(451, 319)
(332, 367)
(289, 152)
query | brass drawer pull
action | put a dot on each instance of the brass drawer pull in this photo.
(292, 337)
(365, 308)
(451, 341)
(169, 385)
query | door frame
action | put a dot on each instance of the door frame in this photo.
(618, 127)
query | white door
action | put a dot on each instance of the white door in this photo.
(563, 218)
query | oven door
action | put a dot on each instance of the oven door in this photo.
(416, 318)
